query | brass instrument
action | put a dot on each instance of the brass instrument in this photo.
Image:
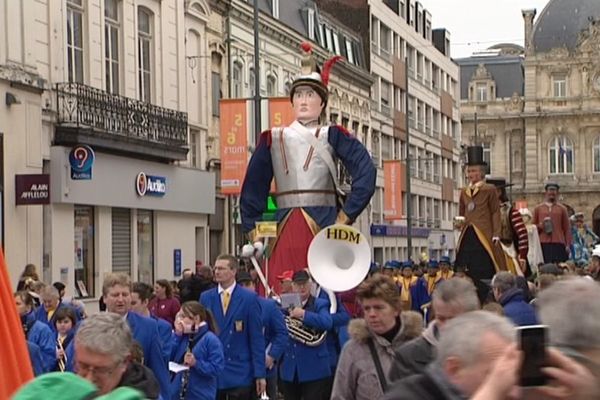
(339, 258)
(303, 334)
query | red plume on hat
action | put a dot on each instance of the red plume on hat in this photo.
(327, 68)
(311, 74)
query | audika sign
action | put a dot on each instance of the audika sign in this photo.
(81, 159)
(150, 185)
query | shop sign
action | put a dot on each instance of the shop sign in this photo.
(81, 159)
(32, 189)
(150, 185)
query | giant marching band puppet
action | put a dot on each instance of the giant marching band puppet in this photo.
(302, 160)
(478, 245)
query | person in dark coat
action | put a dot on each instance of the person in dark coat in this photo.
(461, 367)
(478, 247)
(450, 299)
(512, 300)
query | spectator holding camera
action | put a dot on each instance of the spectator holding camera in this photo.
(554, 227)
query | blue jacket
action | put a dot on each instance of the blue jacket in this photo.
(145, 332)
(304, 362)
(241, 334)
(349, 150)
(340, 321)
(35, 356)
(41, 335)
(516, 309)
(276, 334)
(165, 331)
(66, 343)
(41, 315)
(208, 351)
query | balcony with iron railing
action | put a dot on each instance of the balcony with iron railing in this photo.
(119, 124)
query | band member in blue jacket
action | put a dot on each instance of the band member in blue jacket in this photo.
(340, 319)
(36, 332)
(276, 334)
(305, 370)
(51, 302)
(238, 316)
(196, 345)
(116, 291)
(302, 160)
(140, 296)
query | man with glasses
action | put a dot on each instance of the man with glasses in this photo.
(238, 316)
(103, 347)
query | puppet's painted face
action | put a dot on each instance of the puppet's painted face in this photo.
(307, 104)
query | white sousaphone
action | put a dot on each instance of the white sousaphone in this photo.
(339, 258)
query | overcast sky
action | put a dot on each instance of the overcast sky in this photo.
(475, 25)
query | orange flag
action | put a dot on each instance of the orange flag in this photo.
(15, 364)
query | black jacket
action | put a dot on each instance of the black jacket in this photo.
(411, 358)
(190, 289)
(141, 378)
(416, 387)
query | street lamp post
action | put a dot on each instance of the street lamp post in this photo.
(257, 113)
(407, 156)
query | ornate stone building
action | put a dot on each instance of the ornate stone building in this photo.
(542, 124)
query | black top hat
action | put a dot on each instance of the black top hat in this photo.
(475, 156)
(500, 183)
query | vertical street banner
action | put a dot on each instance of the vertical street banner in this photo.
(280, 112)
(234, 145)
(392, 201)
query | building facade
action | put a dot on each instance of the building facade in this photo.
(106, 105)
(548, 128)
(402, 41)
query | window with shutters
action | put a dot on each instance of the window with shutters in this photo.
(111, 45)
(75, 40)
(84, 250)
(145, 246)
(121, 240)
(145, 46)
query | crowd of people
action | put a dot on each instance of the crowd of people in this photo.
(231, 343)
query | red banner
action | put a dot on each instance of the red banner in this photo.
(392, 200)
(234, 145)
(281, 112)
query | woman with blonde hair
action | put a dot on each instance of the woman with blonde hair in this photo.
(366, 359)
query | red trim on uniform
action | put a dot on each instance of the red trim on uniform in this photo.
(266, 137)
(344, 130)
(521, 231)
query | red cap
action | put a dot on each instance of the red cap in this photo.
(286, 276)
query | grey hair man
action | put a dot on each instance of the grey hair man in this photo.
(103, 347)
(463, 361)
(571, 309)
(450, 299)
